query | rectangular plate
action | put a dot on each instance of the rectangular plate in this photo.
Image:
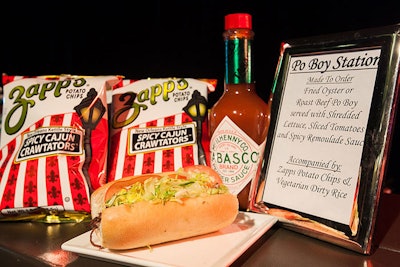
(220, 248)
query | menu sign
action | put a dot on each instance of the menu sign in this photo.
(332, 122)
(320, 132)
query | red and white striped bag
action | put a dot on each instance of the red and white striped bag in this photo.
(153, 129)
(54, 144)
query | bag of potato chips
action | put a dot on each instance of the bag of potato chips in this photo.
(158, 125)
(54, 144)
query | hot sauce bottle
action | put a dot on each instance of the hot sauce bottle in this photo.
(239, 120)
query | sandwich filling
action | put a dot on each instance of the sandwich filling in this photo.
(166, 188)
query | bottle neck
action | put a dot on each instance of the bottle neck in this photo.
(238, 57)
(239, 89)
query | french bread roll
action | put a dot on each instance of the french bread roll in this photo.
(145, 223)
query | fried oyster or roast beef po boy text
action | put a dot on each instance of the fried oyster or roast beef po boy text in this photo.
(150, 209)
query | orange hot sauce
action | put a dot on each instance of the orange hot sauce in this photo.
(239, 120)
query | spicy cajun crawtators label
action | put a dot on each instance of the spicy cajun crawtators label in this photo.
(50, 141)
(164, 137)
(54, 141)
(158, 125)
(234, 155)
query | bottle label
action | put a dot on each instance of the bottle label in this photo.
(234, 155)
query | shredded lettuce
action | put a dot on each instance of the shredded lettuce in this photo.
(161, 190)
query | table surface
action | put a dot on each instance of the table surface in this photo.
(38, 244)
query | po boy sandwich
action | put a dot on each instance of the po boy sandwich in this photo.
(150, 209)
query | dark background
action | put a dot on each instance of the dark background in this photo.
(155, 38)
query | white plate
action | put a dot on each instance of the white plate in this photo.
(220, 248)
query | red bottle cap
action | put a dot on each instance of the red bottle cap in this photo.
(238, 21)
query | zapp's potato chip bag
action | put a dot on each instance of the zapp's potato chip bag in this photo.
(158, 125)
(54, 141)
